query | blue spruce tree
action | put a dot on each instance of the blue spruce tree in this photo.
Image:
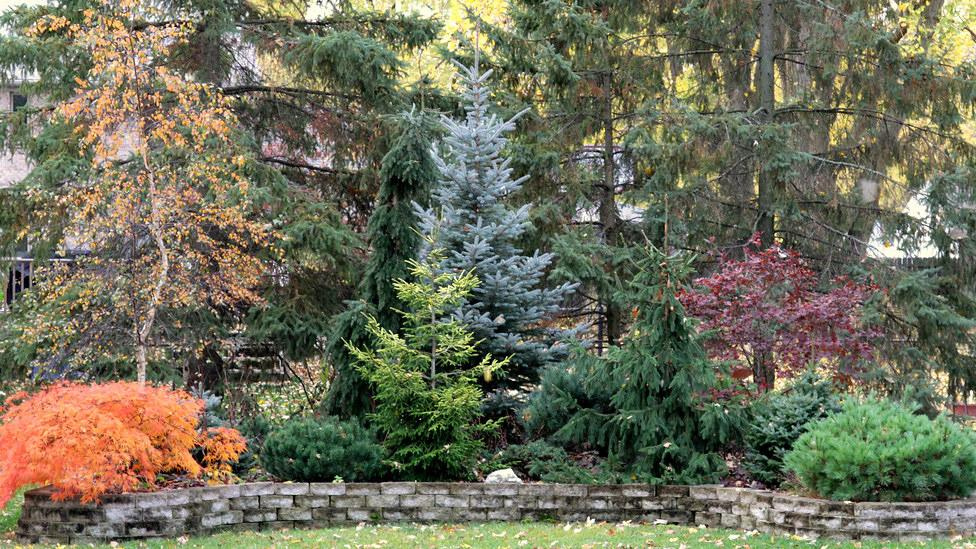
(470, 218)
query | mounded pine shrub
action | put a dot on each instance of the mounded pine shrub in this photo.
(320, 450)
(777, 421)
(880, 451)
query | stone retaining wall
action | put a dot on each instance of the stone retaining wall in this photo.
(254, 506)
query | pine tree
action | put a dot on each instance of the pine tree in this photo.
(406, 176)
(471, 219)
(664, 423)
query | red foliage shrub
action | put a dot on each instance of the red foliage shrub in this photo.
(88, 440)
(765, 311)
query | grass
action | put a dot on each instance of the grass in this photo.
(516, 535)
(495, 536)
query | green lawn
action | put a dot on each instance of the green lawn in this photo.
(496, 535)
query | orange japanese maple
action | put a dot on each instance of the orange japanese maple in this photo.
(221, 448)
(87, 440)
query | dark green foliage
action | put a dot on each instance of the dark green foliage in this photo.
(406, 176)
(561, 394)
(665, 423)
(881, 451)
(539, 460)
(778, 419)
(940, 312)
(255, 429)
(428, 402)
(320, 450)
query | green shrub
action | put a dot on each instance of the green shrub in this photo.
(561, 395)
(256, 430)
(539, 460)
(880, 451)
(778, 419)
(319, 450)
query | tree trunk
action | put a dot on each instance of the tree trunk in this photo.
(608, 214)
(765, 196)
(765, 371)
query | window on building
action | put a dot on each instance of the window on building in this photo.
(19, 279)
(17, 101)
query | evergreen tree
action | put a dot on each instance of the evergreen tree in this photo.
(471, 219)
(406, 176)
(426, 377)
(664, 422)
(819, 149)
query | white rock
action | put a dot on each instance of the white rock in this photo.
(503, 475)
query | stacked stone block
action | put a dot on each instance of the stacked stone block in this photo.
(267, 505)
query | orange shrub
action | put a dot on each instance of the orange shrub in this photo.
(87, 440)
(221, 447)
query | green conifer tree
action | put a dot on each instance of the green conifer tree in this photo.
(406, 176)
(472, 220)
(426, 377)
(663, 423)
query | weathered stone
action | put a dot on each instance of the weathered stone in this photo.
(363, 489)
(652, 504)
(260, 515)
(707, 491)
(242, 503)
(508, 489)
(451, 501)
(291, 489)
(601, 491)
(398, 488)
(295, 513)
(729, 521)
(120, 512)
(226, 491)
(383, 500)
(509, 513)
(397, 514)
(636, 490)
(711, 520)
(671, 490)
(467, 489)
(348, 501)
(472, 515)
(311, 501)
(327, 489)
(216, 508)
(486, 501)
(278, 525)
(258, 489)
(220, 519)
(502, 476)
(438, 514)
(434, 488)
(330, 514)
(277, 502)
(728, 494)
(363, 515)
(416, 500)
(576, 490)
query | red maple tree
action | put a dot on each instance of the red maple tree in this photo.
(766, 314)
